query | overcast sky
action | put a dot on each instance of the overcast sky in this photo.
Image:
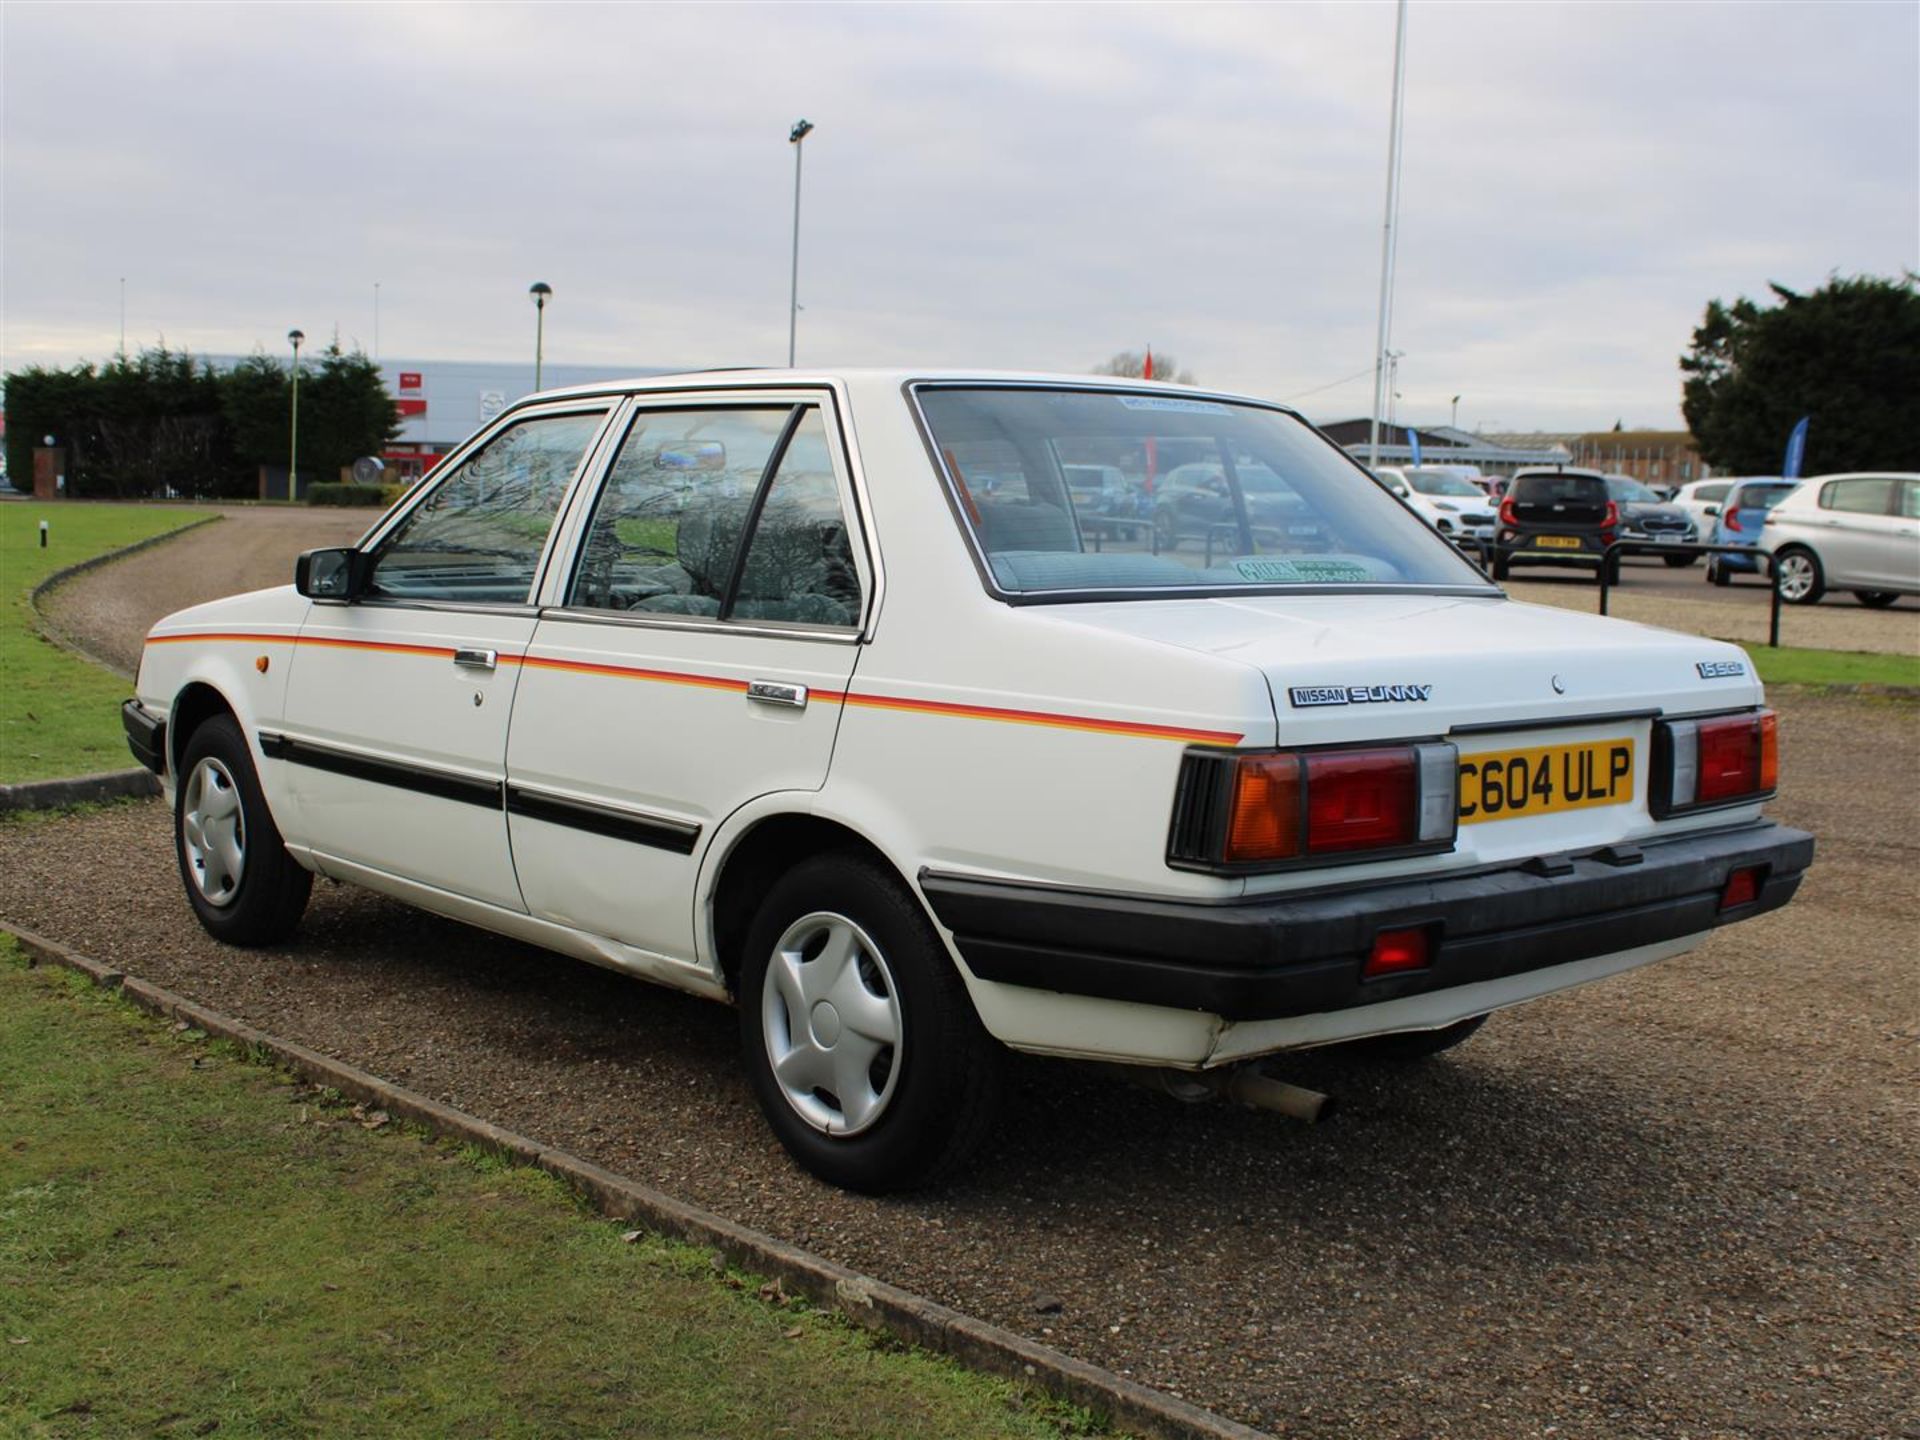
(1023, 186)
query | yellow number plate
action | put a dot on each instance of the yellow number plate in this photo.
(1557, 542)
(1511, 784)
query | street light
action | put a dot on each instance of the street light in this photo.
(1455, 421)
(801, 129)
(539, 290)
(294, 337)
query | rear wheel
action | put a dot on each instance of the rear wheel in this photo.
(1164, 535)
(858, 1034)
(1799, 577)
(1679, 562)
(1876, 599)
(242, 884)
(1501, 565)
(1413, 1044)
(1717, 573)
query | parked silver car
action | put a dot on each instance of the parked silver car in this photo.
(1848, 532)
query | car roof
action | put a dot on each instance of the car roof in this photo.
(893, 377)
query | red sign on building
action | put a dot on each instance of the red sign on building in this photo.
(409, 381)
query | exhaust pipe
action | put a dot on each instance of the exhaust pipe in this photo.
(1243, 1085)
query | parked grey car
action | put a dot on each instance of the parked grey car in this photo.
(1848, 532)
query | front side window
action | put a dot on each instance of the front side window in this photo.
(681, 498)
(1069, 490)
(479, 535)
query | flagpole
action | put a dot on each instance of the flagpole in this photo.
(1385, 328)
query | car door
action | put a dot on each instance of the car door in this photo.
(694, 655)
(395, 729)
(1905, 560)
(1854, 536)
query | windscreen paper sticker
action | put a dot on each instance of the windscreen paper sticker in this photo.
(1302, 571)
(1167, 402)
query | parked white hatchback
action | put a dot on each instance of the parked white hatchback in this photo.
(812, 692)
(1847, 532)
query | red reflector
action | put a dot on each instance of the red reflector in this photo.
(1395, 951)
(1743, 888)
(1732, 758)
(1362, 800)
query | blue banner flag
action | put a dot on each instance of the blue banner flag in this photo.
(1796, 450)
(1413, 443)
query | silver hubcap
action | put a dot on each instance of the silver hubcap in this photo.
(214, 832)
(830, 1015)
(1796, 576)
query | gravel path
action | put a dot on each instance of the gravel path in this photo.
(107, 612)
(1678, 1203)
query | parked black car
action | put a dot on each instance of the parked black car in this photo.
(1555, 517)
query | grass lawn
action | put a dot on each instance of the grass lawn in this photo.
(1788, 666)
(191, 1243)
(60, 715)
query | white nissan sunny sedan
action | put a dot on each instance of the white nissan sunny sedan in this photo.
(815, 693)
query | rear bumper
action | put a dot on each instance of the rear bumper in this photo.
(1301, 954)
(146, 736)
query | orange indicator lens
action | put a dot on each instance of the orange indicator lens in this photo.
(1265, 824)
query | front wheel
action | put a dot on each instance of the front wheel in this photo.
(1679, 562)
(859, 1037)
(1799, 577)
(242, 884)
(1876, 599)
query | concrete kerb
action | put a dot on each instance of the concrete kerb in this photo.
(860, 1299)
(78, 790)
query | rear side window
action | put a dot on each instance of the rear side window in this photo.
(1559, 490)
(1910, 499)
(684, 493)
(1709, 494)
(1761, 497)
(1872, 496)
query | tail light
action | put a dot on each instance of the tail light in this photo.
(1270, 809)
(1705, 764)
(1508, 515)
(1732, 517)
(1613, 515)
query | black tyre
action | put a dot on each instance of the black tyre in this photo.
(242, 884)
(1166, 535)
(1412, 1044)
(1680, 562)
(858, 1034)
(1876, 599)
(1501, 565)
(1800, 578)
(1717, 573)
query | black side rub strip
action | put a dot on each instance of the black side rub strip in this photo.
(1301, 953)
(438, 783)
(660, 834)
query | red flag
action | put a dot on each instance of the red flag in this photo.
(1147, 374)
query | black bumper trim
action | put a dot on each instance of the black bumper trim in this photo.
(1300, 953)
(146, 736)
(421, 780)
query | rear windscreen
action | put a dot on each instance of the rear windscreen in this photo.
(1559, 490)
(1118, 494)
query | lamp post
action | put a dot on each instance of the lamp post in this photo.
(1455, 421)
(801, 129)
(539, 290)
(1385, 331)
(294, 337)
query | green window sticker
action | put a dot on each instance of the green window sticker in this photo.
(1264, 570)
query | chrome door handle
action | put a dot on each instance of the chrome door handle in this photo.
(476, 659)
(772, 692)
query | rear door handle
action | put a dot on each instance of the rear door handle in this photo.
(476, 659)
(774, 692)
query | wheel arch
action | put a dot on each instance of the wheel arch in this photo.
(198, 702)
(756, 858)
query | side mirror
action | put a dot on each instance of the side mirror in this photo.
(1713, 509)
(339, 575)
